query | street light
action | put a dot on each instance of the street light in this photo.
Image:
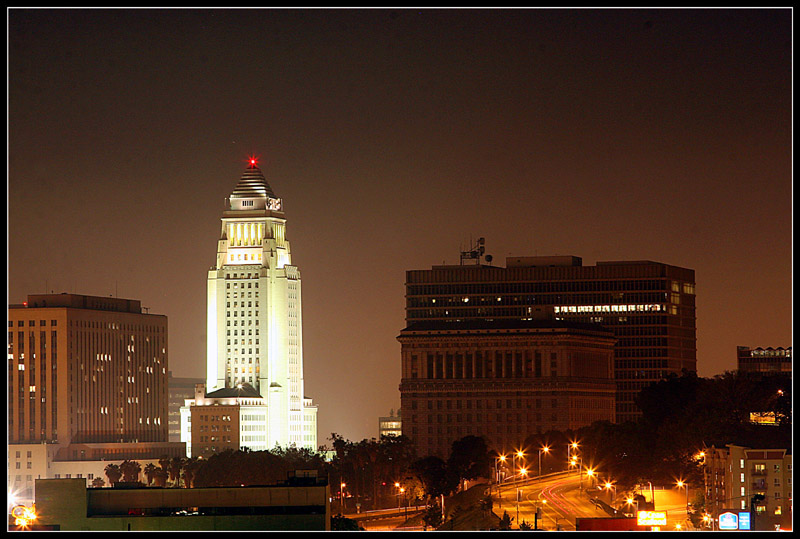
(631, 501)
(519, 454)
(341, 494)
(590, 475)
(546, 450)
(501, 458)
(682, 484)
(608, 486)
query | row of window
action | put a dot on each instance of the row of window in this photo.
(21, 323)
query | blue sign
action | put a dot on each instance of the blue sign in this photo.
(728, 521)
(744, 520)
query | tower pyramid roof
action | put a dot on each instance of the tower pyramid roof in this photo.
(253, 184)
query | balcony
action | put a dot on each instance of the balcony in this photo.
(756, 471)
(760, 485)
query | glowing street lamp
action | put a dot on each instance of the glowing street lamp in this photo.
(545, 449)
(682, 484)
(501, 458)
(631, 501)
(519, 454)
(609, 486)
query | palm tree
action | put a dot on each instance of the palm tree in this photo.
(174, 468)
(160, 477)
(130, 470)
(150, 472)
(113, 473)
(190, 466)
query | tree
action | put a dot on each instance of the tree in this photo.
(98, 482)
(434, 476)
(190, 467)
(470, 458)
(113, 473)
(432, 516)
(342, 523)
(174, 468)
(160, 477)
(130, 471)
(150, 472)
(505, 522)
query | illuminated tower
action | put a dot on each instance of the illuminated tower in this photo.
(255, 332)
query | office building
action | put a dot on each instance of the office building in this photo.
(87, 381)
(733, 475)
(300, 503)
(502, 379)
(649, 306)
(86, 369)
(764, 360)
(255, 331)
(179, 389)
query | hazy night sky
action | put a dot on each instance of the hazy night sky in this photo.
(393, 136)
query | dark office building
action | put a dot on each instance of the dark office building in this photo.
(764, 360)
(649, 307)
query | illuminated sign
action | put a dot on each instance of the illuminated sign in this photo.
(651, 518)
(728, 521)
(744, 520)
(763, 418)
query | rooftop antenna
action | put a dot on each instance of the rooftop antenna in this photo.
(474, 253)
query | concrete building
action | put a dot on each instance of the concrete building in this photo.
(390, 425)
(87, 385)
(255, 331)
(649, 306)
(734, 474)
(502, 379)
(179, 390)
(301, 503)
(764, 360)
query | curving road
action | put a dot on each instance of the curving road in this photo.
(558, 495)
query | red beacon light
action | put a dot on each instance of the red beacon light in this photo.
(253, 161)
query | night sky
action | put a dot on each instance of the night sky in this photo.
(394, 137)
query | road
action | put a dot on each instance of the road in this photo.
(559, 496)
(384, 519)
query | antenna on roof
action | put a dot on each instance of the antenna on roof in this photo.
(475, 252)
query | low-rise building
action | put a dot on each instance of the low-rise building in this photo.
(301, 503)
(764, 360)
(737, 478)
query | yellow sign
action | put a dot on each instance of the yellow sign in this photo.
(651, 518)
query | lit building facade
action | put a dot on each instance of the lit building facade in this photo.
(504, 380)
(255, 331)
(649, 306)
(764, 360)
(391, 425)
(734, 474)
